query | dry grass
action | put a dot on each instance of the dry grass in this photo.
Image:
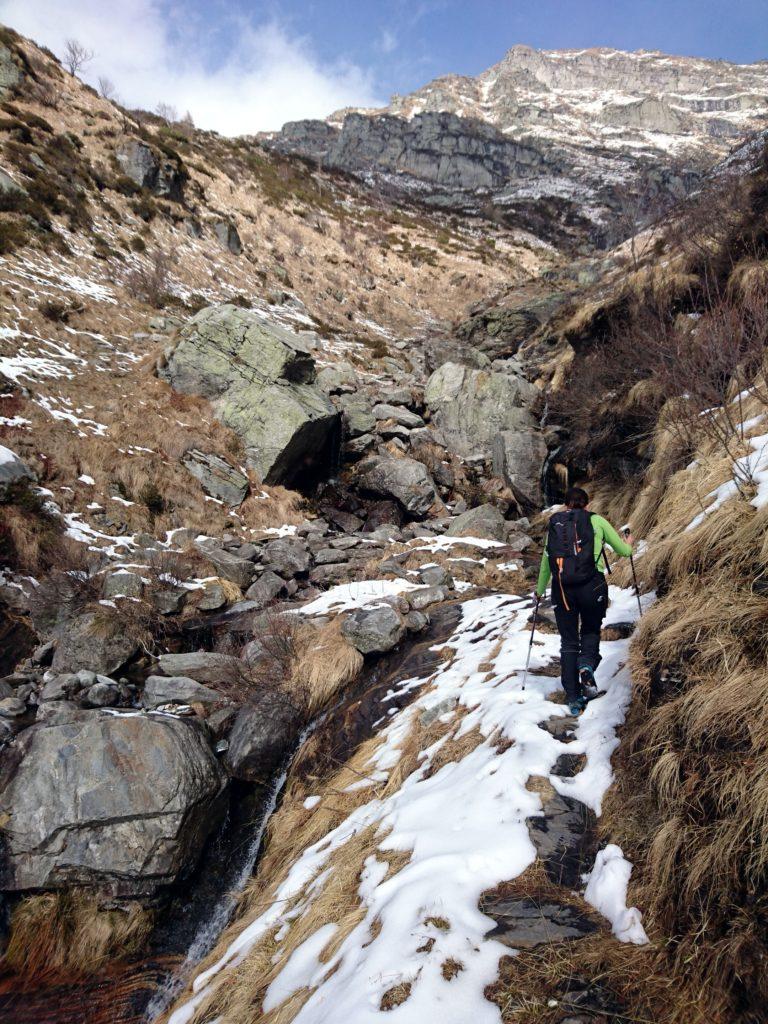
(324, 664)
(70, 934)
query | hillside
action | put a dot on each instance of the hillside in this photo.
(279, 440)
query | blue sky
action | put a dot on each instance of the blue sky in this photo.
(242, 66)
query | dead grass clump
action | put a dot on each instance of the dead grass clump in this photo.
(271, 506)
(324, 664)
(70, 933)
(395, 996)
(32, 540)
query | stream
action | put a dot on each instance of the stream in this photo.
(138, 991)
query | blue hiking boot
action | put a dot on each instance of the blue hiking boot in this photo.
(588, 684)
(577, 706)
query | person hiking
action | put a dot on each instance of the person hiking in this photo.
(574, 559)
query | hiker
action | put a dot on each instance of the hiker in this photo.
(574, 558)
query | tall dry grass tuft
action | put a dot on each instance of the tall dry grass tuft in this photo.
(325, 662)
(70, 934)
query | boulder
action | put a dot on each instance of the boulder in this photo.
(169, 601)
(358, 419)
(202, 666)
(287, 556)
(435, 576)
(470, 407)
(262, 736)
(403, 417)
(10, 72)
(149, 168)
(423, 598)
(266, 588)
(106, 693)
(404, 479)
(337, 378)
(228, 235)
(13, 470)
(438, 351)
(372, 630)
(228, 565)
(214, 598)
(483, 521)
(518, 458)
(96, 641)
(177, 690)
(260, 380)
(123, 801)
(217, 477)
(123, 584)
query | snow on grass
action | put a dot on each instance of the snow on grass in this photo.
(464, 827)
(347, 596)
(607, 892)
(445, 543)
(751, 468)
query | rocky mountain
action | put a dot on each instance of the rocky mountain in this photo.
(275, 446)
(552, 139)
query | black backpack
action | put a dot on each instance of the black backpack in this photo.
(571, 547)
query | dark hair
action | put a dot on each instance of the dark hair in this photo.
(576, 497)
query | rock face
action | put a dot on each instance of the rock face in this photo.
(404, 479)
(121, 801)
(226, 232)
(202, 666)
(470, 407)
(148, 168)
(553, 131)
(13, 470)
(518, 458)
(260, 381)
(218, 478)
(10, 72)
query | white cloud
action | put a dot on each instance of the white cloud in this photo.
(387, 41)
(266, 77)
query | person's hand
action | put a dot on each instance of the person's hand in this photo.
(629, 539)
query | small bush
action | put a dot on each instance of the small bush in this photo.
(137, 244)
(12, 236)
(151, 497)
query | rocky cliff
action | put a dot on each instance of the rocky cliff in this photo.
(573, 131)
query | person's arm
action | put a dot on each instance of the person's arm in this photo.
(614, 541)
(544, 574)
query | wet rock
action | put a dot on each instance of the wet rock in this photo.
(13, 470)
(123, 584)
(483, 521)
(202, 666)
(262, 736)
(404, 479)
(372, 630)
(177, 690)
(97, 641)
(124, 801)
(526, 924)
(149, 168)
(562, 837)
(259, 378)
(217, 477)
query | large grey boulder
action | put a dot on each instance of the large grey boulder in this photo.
(123, 584)
(372, 630)
(202, 666)
(406, 418)
(470, 407)
(483, 521)
(266, 588)
(260, 380)
(439, 350)
(218, 478)
(228, 565)
(518, 458)
(177, 690)
(13, 470)
(262, 736)
(404, 479)
(96, 641)
(149, 168)
(123, 801)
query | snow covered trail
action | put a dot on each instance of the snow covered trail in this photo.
(463, 825)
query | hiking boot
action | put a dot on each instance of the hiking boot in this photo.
(588, 684)
(577, 706)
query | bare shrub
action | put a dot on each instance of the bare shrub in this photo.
(150, 280)
(76, 56)
(107, 88)
(167, 112)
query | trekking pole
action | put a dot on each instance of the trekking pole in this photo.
(530, 642)
(627, 532)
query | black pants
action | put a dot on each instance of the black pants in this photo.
(579, 626)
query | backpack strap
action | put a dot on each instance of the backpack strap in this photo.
(603, 552)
